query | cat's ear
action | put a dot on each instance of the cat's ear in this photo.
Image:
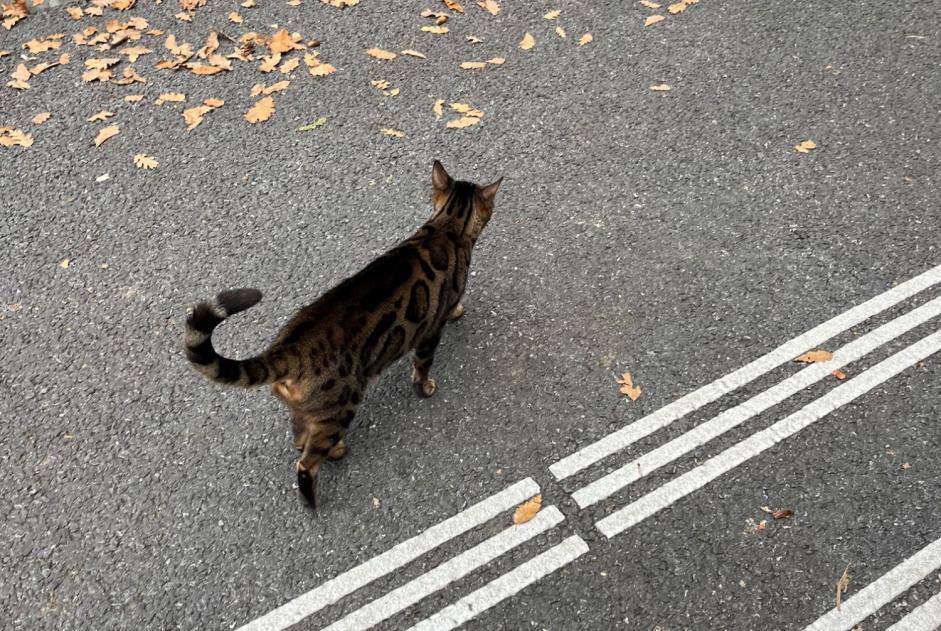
(439, 177)
(490, 191)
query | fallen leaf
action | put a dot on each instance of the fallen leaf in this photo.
(276, 87)
(268, 64)
(379, 53)
(839, 374)
(464, 108)
(551, 15)
(260, 111)
(316, 67)
(585, 39)
(780, 513)
(473, 65)
(438, 108)
(560, 32)
(813, 357)
(437, 30)
(461, 123)
(135, 52)
(75, 13)
(214, 103)
(170, 97)
(194, 116)
(805, 147)
(144, 161)
(290, 65)
(627, 386)
(134, 98)
(490, 6)
(183, 16)
(106, 132)
(661, 87)
(395, 133)
(205, 69)
(283, 42)
(527, 510)
(454, 6)
(413, 53)
(677, 7)
(235, 18)
(473, 39)
(14, 137)
(37, 46)
(248, 4)
(320, 122)
(41, 118)
(527, 42)
(906, 466)
(841, 584)
(100, 116)
(496, 61)
(653, 19)
(65, 263)
(649, 4)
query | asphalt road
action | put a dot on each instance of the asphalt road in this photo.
(676, 235)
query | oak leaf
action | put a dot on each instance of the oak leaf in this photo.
(805, 147)
(194, 116)
(260, 111)
(283, 42)
(628, 388)
(395, 133)
(75, 13)
(10, 137)
(585, 39)
(170, 97)
(106, 132)
(290, 65)
(205, 69)
(235, 18)
(41, 118)
(379, 53)
(275, 87)
(814, 357)
(527, 510)
(527, 42)
(134, 98)
(144, 161)
(649, 4)
(214, 103)
(496, 61)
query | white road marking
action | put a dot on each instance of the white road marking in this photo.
(451, 570)
(511, 583)
(926, 617)
(695, 479)
(333, 590)
(629, 434)
(882, 591)
(636, 469)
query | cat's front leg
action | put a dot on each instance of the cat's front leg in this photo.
(456, 312)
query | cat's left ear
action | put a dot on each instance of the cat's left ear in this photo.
(490, 191)
(439, 177)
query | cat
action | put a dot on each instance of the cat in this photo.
(324, 358)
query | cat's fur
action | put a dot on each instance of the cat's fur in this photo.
(324, 358)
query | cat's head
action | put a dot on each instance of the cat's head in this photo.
(464, 207)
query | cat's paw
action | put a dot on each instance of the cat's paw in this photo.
(456, 312)
(425, 388)
(337, 451)
(307, 485)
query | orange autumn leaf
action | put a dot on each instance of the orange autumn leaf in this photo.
(205, 69)
(14, 137)
(379, 53)
(814, 357)
(491, 6)
(194, 116)
(260, 111)
(527, 510)
(106, 132)
(41, 118)
(275, 87)
(839, 374)
(75, 13)
(496, 61)
(214, 103)
(527, 42)
(454, 6)
(649, 4)
(170, 97)
(290, 65)
(628, 388)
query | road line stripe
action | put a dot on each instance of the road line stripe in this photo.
(758, 442)
(511, 583)
(630, 434)
(926, 617)
(448, 572)
(638, 468)
(336, 588)
(882, 591)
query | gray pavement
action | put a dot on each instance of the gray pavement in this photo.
(676, 235)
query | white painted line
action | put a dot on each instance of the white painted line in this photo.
(926, 617)
(630, 434)
(336, 588)
(882, 591)
(511, 583)
(758, 442)
(636, 469)
(451, 570)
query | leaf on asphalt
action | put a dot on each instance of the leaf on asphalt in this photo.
(805, 147)
(496, 61)
(560, 32)
(284, 42)
(527, 42)
(290, 65)
(653, 19)
(413, 53)
(260, 111)
(661, 87)
(10, 137)
(464, 108)
(841, 584)
(814, 357)
(316, 67)
(205, 69)
(527, 510)
(628, 388)
(464, 121)
(170, 97)
(491, 6)
(144, 161)
(248, 4)
(235, 18)
(320, 122)
(37, 46)
(268, 64)
(585, 39)
(183, 16)
(274, 87)
(341, 4)
(905, 466)
(677, 7)
(473, 39)
(437, 30)
(4, 53)
(379, 53)
(100, 116)
(214, 103)
(395, 133)
(106, 132)
(454, 6)
(649, 4)
(473, 65)
(65, 263)
(135, 52)
(839, 374)
(75, 13)
(438, 108)
(551, 15)
(20, 78)
(779, 513)
(194, 116)
(381, 84)
(41, 118)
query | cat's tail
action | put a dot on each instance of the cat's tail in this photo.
(209, 314)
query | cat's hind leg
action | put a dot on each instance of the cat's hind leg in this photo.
(323, 440)
(424, 385)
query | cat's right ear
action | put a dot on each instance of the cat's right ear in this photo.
(439, 177)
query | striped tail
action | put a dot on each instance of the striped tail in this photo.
(206, 316)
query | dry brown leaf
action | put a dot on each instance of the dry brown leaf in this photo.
(75, 13)
(527, 42)
(454, 6)
(135, 52)
(473, 65)
(143, 161)
(294, 3)
(551, 15)
(194, 116)
(284, 42)
(649, 4)
(94, 10)
(661, 87)
(780, 513)
(268, 64)
(560, 32)
(41, 118)
(395, 133)
(316, 67)
(839, 374)
(628, 388)
(677, 7)
(134, 98)
(12, 137)
(490, 6)
(905, 466)
(65, 59)
(413, 53)
(106, 132)
(653, 19)
(213, 103)
(183, 16)
(260, 111)
(41, 67)
(100, 116)
(205, 69)
(37, 46)
(841, 584)
(473, 39)
(170, 97)
(290, 65)
(527, 510)
(248, 4)
(814, 357)
(461, 123)
(235, 18)
(496, 61)
(805, 147)
(381, 84)
(275, 87)
(4, 53)
(379, 53)
(438, 108)
(437, 30)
